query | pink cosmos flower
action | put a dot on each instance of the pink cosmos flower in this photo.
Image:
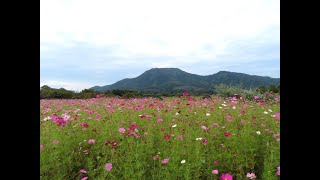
(215, 125)
(242, 121)
(55, 142)
(165, 161)
(233, 107)
(83, 171)
(251, 175)
(204, 104)
(108, 166)
(41, 147)
(278, 139)
(226, 177)
(160, 120)
(267, 95)
(215, 162)
(91, 141)
(85, 125)
(84, 178)
(121, 130)
(276, 135)
(185, 93)
(155, 158)
(215, 171)
(278, 171)
(256, 97)
(180, 137)
(111, 110)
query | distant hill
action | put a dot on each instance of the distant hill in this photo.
(168, 79)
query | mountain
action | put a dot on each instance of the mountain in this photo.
(168, 79)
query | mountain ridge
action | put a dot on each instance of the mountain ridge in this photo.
(168, 79)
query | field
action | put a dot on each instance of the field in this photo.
(174, 138)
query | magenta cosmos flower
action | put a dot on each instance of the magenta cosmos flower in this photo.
(278, 171)
(180, 137)
(215, 171)
(226, 177)
(165, 161)
(84, 178)
(204, 141)
(166, 137)
(108, 166)
(91, 141)
(121, 130)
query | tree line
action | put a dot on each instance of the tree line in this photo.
(47, 92)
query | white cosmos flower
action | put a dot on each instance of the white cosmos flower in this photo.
(195, 113)
(177, 113)
(258, 132)
(265, 112)
(223, 105)
(197, 139)
(183, 161)
(208, 114)
(270, 110)
(220, 107)
(175, 125)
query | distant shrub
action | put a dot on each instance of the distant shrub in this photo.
(250, 94)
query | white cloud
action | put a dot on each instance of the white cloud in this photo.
(75, 86)
(156, 28)
(105, 41)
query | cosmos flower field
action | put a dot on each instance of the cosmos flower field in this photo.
(174, 138)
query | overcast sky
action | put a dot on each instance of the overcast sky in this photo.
(98, 42)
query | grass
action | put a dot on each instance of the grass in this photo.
(243, 152)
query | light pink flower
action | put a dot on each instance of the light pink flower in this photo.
(251, 175)
(256, 97)
(121, 130)
(204, 128)
(84, 178)
(204, 104)
(155, 157)
(41, 147)
(215, 171)
(180, 137)
(165, 161)
(278, 171)
(55, 141)
(234, 107)
(83, 171)
(91, 141)
(108, 166)
(160, 120)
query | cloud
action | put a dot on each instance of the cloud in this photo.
(102, 41)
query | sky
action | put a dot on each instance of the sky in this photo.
(99, 42)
